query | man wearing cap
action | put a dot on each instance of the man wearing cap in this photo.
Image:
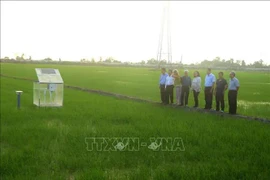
(209, 85)
(232, 95)
(186, 84)
(162, 81)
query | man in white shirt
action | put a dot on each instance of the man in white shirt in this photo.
(169, 85)
(209, 85)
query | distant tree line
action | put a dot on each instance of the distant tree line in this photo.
(22, 58)
(107, 60)
(216, 62)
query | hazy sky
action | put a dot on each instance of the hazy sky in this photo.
(129, 30)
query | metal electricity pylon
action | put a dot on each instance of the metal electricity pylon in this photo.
(165, 49)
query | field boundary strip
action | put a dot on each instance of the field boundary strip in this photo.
(121, 96)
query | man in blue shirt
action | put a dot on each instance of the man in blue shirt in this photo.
(162, 81)
(232, 95)
(186, 84)
(209, 85)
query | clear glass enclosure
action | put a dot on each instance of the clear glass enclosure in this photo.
(48, 94)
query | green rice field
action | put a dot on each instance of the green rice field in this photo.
(50, 143)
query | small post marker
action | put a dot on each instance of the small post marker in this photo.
(19, 98)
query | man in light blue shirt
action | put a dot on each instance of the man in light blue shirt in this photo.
(234, 82)
(162, 81)
(232, 95)
(209, 85)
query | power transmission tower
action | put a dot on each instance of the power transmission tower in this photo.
(163, 48)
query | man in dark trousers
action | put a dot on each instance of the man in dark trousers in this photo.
(232, 95)
(186, 84)
(221, 86)
(162, 81)
(209, 85)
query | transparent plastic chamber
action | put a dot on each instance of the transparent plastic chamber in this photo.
(48, 94)
(48, 91)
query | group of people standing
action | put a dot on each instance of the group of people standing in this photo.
(212, 87)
